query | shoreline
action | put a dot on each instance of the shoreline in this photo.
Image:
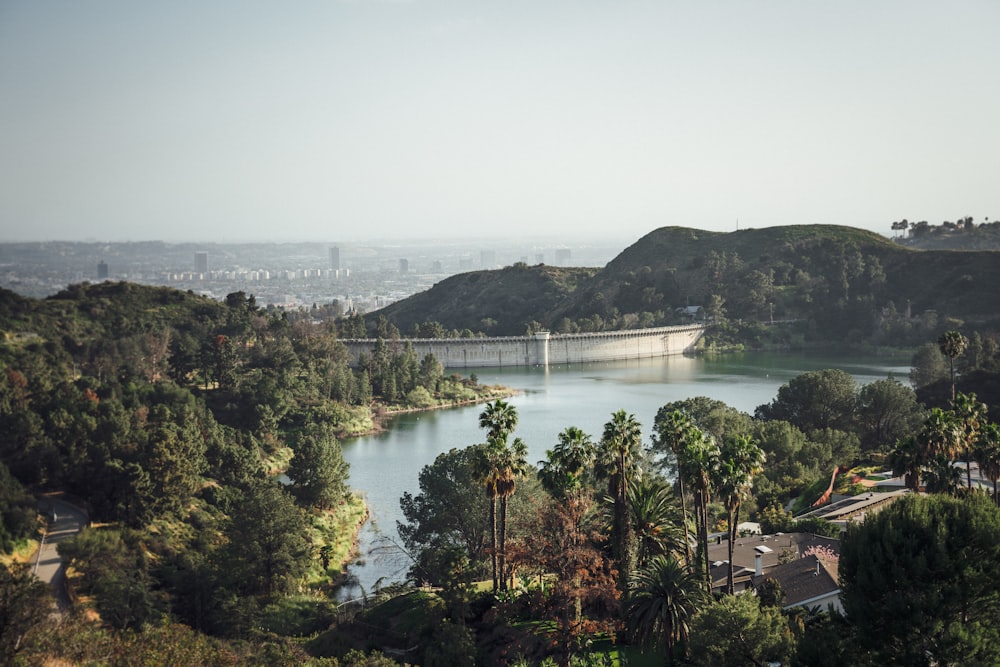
(380, 413)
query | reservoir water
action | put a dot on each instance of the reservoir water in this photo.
(385, 465)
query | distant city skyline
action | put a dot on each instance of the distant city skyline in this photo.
(357, 120)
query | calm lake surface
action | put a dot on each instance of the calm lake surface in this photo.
(383, 466)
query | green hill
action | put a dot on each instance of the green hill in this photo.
(839, 282)
(500, 302)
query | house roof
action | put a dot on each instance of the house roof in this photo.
(745, 548)
(772, 548)
(855, 507)
(803, 579)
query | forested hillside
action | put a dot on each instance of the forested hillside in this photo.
(835, 283)
(167, 416)
(502, 302)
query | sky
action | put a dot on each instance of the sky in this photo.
(202, 120)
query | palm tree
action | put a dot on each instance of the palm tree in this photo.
(740, 460)
(672, 433)
(953, 345)
(987, 454)
(942, 477)
(512, 464)
(565, 465)
(971, 416)
(940, 439)
(907, 458)
(940, 435)
(620, 446)
(698, 462)
(655, 521)
(488, 470)
(499, 418)
(662, 600)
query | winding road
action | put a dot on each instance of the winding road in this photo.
(64, 521)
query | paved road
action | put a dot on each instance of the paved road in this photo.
(69, 520)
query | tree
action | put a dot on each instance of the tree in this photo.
(663, 598)
(452, 644)
(672, 429)
(927, 366)
(987, 455)
(268, 550)
(449, 511)
(715, 310)
(920, 581)
(952, 345)
(489, 472)
(431, 371)
(940, 476)
(567, 540)
(25, 604)
(656, 522)
(708, 414)
(619, 448)
(318, 470)
(740, 460)
(940, 436)
(116, 572)
(970, 415)
(17, 511)
(499, 418)
(908, 458)
(512, 464)
(566, 464)
(886, 411)
(735, 631)
(814, 400)
(698, 462)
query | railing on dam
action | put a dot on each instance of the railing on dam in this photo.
(545, 348)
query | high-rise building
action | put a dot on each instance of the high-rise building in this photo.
(335, 258)
(201, 262)
(404, 265)
(102, 270)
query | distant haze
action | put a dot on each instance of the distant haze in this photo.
(394, 119)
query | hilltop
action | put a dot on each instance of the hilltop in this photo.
(836, 281)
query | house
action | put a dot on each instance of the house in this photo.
(759, 554)
(806, 582)
(854, 508)
(692, 312)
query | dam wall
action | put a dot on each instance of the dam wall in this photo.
(545, 348)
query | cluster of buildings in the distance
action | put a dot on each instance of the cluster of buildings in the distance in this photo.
(292, 275)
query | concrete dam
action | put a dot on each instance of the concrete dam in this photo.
(545, 348)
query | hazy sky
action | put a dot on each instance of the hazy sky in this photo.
(324, 120)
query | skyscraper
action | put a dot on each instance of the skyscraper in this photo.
(201, 262)
(102, 270)
(335, 258)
